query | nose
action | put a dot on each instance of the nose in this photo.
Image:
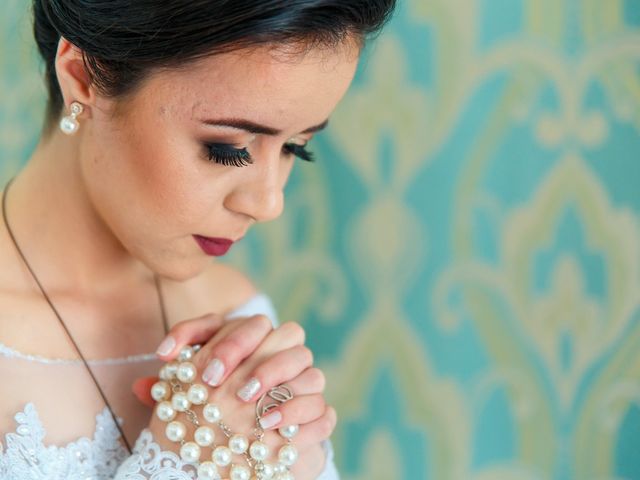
(260, 194)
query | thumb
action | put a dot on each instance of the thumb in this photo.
(142, 390)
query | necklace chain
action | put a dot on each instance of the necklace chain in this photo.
(64, 326)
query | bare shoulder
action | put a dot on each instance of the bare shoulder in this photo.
(220, 288)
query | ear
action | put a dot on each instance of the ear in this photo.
(72, 76)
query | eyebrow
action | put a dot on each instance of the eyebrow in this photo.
(252, 127)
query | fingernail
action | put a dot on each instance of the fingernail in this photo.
(167, 346)
(213, 373)
(270, 420)
(247, 392)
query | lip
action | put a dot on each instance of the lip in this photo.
(213, 246)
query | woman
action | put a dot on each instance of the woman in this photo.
(172, 127)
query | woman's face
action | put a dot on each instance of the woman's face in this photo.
(155, 171)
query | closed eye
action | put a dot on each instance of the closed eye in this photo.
(299, 151)
(228, 155)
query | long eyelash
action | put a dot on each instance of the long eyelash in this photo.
(299, 151)
(227, 155)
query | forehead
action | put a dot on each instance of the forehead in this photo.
(268, 86)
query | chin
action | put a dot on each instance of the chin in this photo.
(181, 269)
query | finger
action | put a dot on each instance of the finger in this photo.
(188, 332)
(297, 411)
(317, 430)
(221, 355)
(287, 335)
(311, 381)
(142, 390)
(279, 368)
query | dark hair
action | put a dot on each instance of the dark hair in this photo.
(122, 40)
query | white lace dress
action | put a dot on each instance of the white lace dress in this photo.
(66, 439)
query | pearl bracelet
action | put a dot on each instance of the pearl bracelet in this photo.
(172, 399)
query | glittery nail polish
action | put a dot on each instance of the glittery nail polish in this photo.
(247, 392)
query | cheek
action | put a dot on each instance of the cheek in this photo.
(162, 173)
(147, 182)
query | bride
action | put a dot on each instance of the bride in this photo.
(171, 128)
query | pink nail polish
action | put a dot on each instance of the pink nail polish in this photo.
(167, 346)
(213, 373)
(270, 420)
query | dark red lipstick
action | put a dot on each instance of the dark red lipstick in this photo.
(213, 246)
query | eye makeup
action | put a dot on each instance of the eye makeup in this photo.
(299, 151)
(225, 154)
(228, 155)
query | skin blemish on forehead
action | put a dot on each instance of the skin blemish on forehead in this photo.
(194, 108)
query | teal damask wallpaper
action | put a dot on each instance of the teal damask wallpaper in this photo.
(465, 254)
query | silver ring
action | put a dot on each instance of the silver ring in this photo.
(273, 398)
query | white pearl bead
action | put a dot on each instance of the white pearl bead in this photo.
(160, 391)
(221, 456)
(212, 413)
(267, 471)
(165, 411)
(69, 125)
(240, 472)
(198, 394)
(208, 471)
(180, 401)
(288, 455)
(172, 369)
(204, 436)
(259, 451)
(164, 374)
(175, 431)
(238, 444)
(289, 431)
(186, 353)
(279, 468)
(190, 452)
(186, 372)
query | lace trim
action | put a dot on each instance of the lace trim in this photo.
(149, 461)
(26, 455)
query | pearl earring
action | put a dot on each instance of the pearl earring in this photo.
(69, 124)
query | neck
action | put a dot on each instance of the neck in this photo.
(62, 236)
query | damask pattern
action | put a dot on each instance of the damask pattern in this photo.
(465, 254)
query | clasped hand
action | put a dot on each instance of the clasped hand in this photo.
(243, 358)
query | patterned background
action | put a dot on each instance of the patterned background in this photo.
(465, 254)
